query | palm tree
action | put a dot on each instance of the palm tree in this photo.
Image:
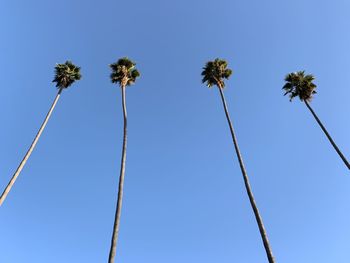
(65, 75)
(214, 73)
(124, 73)
(300, 85)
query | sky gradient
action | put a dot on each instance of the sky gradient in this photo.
(184, 198)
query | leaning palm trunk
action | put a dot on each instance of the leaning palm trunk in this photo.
(29, 152)
(113, 248)
(328, 136)
(247, 185)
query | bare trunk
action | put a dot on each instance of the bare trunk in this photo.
(328, 136)
(113, 248)
(30, 150)
(247, 185)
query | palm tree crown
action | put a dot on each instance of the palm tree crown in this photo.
(299, 85)
(124, 72)
(214, 72)
(66, 74)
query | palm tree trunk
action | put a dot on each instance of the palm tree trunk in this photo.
(247, 185)
(30, 150)
(113, 248)
(328, 136)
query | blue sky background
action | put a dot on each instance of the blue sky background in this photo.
(184, 195)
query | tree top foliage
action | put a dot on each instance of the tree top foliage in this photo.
(66, 74)
(298, 84)
(124, 72)
(214, 73)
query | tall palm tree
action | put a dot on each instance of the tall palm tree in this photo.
(123, 73)
(65, 75)
(300, 85)
(214, 73)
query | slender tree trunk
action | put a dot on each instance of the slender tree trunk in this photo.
(328, 136)
(247, 185)
(30, 150)
(113, 248)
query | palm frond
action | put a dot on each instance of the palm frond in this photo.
(214, 73)
(298, 84)
(124, 71)
(66, 74)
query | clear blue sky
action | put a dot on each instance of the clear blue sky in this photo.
(184, 196)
